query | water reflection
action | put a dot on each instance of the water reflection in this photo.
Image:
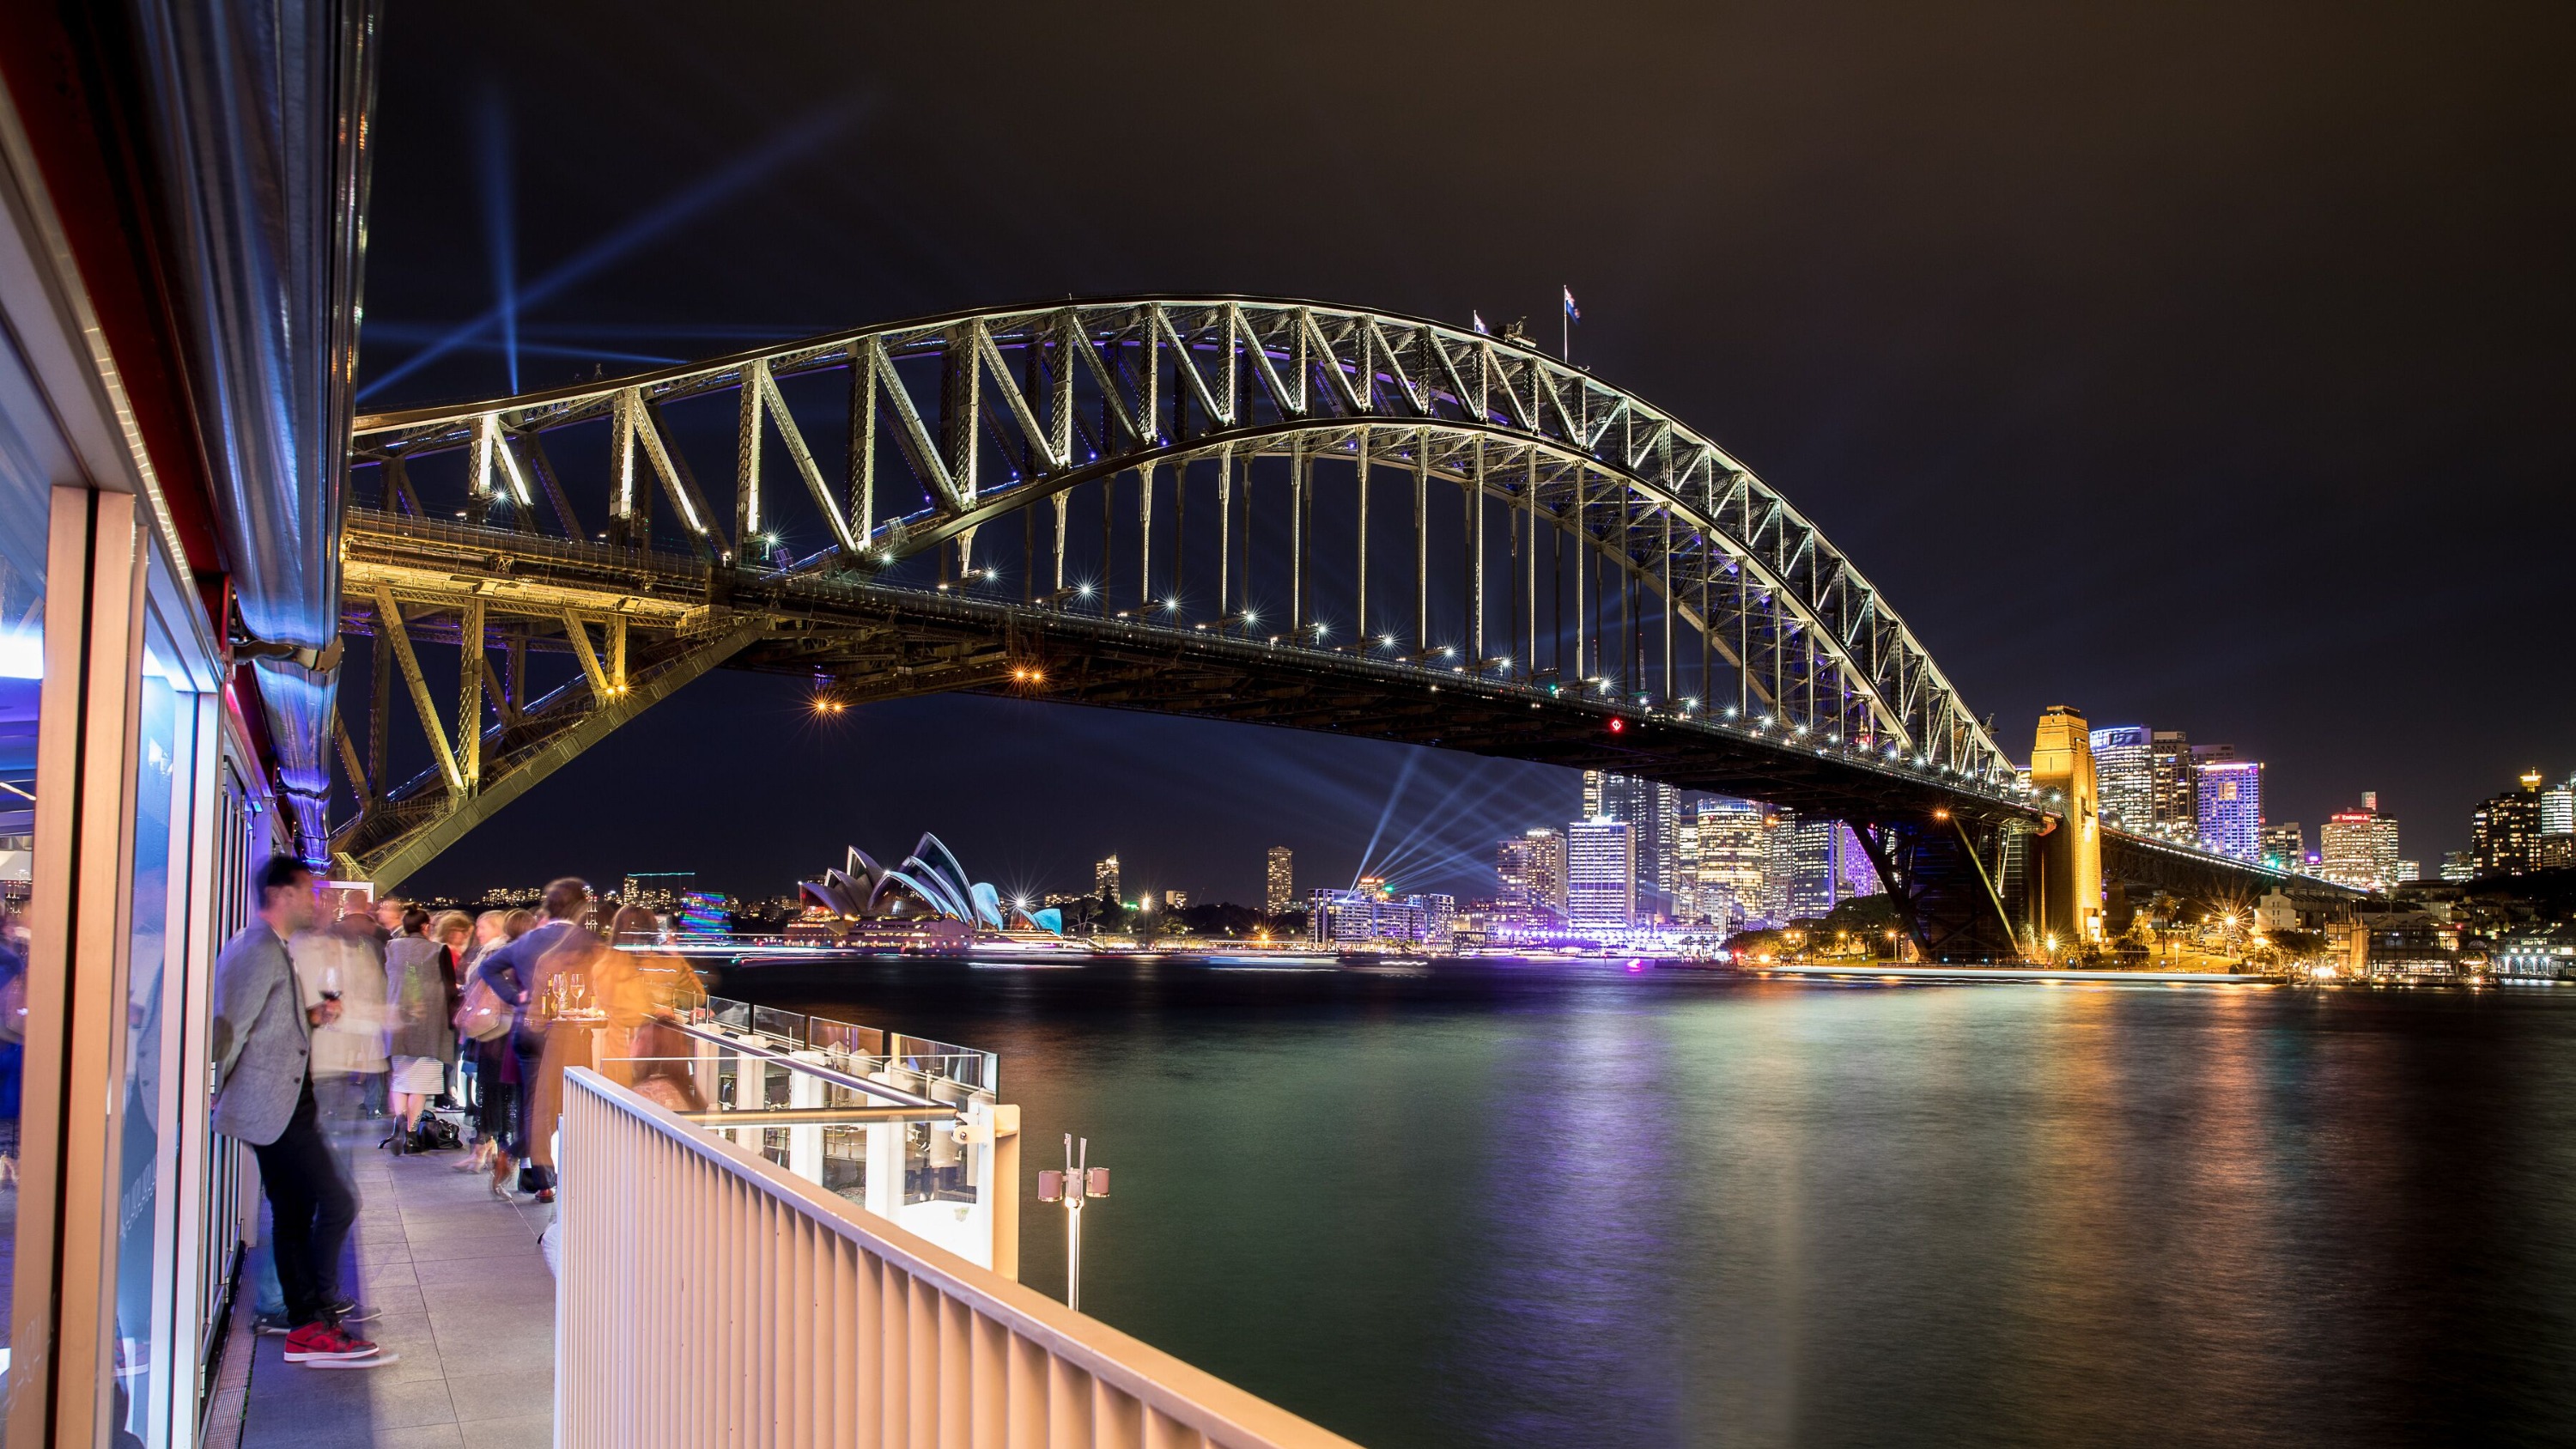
(1564, 1204)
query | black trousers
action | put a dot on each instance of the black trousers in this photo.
(310, 1209)
(494, 1117)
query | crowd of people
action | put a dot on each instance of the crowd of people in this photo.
(452, 1032)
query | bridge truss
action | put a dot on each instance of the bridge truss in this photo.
(1252, 489)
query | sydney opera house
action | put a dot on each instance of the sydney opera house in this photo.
(928, 898)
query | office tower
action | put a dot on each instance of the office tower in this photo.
(2504, 834)
(1686, 906)
(2124, 767)
(1104, 879)
(2177, 792)
(1652, 814)
(1731, 858)
(1600, 875)
(2459, 866)
(2558, 808)
(2231, 802)
(2285, 846)
(1531, 867)
(1803, 874)
(2358, 848)
(1854, 875)
(2409, 870)
(1279, 884)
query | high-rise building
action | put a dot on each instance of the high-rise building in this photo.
(1652, 813)
(1686, 907)
(1531, 867)
(2124, 765)
(2558, 808)
(1600, 874)
(2358, 848)
(2504, 834)
(2459, 866)
(2409, 870)
(2285, 846)
(2177, 788)
(1104, 879)
(2231, 802)
(1279, 885)
(1804, 872)
(1731, 858)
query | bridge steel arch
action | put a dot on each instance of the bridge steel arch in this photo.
(950, 426)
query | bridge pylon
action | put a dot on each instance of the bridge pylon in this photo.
(2066, 877)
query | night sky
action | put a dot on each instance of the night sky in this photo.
(2203, 366)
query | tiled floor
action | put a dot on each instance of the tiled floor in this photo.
(468, 1303)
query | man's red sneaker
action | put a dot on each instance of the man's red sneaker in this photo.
(324, 1346)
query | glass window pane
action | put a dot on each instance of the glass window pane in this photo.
(25, 496)
(164, 763)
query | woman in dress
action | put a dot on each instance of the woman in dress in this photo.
(420, 1034)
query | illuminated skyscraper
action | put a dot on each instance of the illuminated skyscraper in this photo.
(2177, 788)
(1279, 886)
(1652, 813)
(2504, 834)
(1104, 880)
(1531, 867)
(2285, 846)
(2124, 768)
(2231, 802)
(1600, 875)
(1731, 855)
(2358, 848)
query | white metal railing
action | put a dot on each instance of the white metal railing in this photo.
(707, 1296)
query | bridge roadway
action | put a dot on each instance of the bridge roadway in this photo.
(871, 640)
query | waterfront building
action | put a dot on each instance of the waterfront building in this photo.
(1686, 907)
(2231, 802)
(1600, 874)
(1531, 867)
(2176, 785)
(1176, 900)
(2285, 846)
(1279, 881)
(1733, 851)
(2409, 870)
(2504, 833)
(2360, 847)
(2275, 913)
(1104, 880)
(1652, 813)
(657, 890)
(1369, 913)
(2124, 768)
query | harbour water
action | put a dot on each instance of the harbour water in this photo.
(1583, 1204)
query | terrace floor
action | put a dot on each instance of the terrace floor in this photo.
(469, 1305)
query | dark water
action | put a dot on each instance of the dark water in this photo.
(1575, 1205)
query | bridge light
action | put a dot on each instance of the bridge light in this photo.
(992, 575)
(1084, 590)
(1940, 814)
(1172, 605)
(1618, 726)
(1387, 640)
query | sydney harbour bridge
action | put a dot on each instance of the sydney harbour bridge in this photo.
(1275, 512)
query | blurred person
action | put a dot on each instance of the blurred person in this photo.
(496, 1069)
(338, 963)
(563, 1013)
(262, 1043)
(389, 914)
(517, 923)
(643, 993)
(511, 971)
(420, 1031)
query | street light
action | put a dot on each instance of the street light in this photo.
(1076, 1184)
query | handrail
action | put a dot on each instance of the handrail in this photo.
(836, 1077)
(706, 1296)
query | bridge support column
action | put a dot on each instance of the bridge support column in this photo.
(2067, 866)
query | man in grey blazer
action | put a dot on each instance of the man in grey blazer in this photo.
(262, 1038)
